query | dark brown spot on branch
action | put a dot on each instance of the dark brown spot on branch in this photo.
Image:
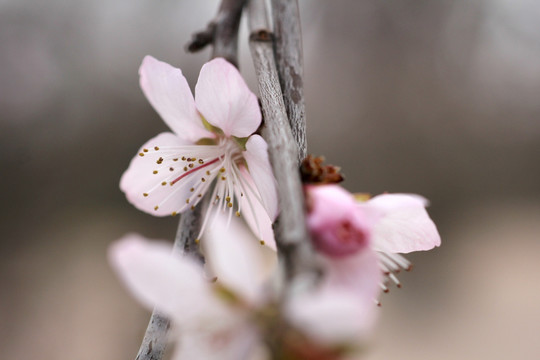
(263, 35)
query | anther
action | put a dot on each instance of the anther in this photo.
(174, 213)
(185, 168)
(201, 161)
(159, 161)
(171, 169)
(145, 194)
(203, 179)
(175, 159)
(228, 199)
(222, 170)
(188, 159)
(156, 207)
(200, 195)
(208, 172)
(192, 189)
(261, 242)
(163, 183)
(192, 207)
(187, 201)
(183, 158)
(229, 204)
(156, 148)
(154, 172)
(141, 154)
(223, 178)
(145, 150)
(237, 213)
(197, 241)
(190, 165)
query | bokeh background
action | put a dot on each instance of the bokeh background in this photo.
(433, 97)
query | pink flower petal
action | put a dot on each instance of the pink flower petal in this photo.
(239, 262)
(225, 101)
(173, 285)
(168, 91)
(405, 225)
(259, 167)
(139, 179)
(333, 317)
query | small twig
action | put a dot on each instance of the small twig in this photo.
(290, 66)
(155, 339)
(291, 233)
(222, 32)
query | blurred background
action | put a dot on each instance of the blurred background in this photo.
(440, 98)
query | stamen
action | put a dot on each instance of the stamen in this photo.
(156, 148)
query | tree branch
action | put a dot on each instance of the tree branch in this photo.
(291, 233)
(222, 32)
(290, 66)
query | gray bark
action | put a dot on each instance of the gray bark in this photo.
(291, 232)
(290, 66)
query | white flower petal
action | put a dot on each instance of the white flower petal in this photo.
(256, 156)
(238, 261)
(146, 176)
(236, 343)
(174, 285)
(331, 316)
(225, 101)
(359, 274)
(253, 211)
(405, 225)
(168, 91)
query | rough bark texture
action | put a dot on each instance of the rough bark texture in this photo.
(290, 230)
(290, 66)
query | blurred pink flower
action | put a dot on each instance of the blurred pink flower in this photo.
(337, 227)
(360, 238)
(227, 318)
(211, 140)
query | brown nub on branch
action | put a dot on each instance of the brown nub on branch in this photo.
(313, 171)
(201, 39)
(261, 35)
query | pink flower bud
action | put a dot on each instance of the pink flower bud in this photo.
(338, 226)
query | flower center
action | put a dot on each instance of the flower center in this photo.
(191, 170)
